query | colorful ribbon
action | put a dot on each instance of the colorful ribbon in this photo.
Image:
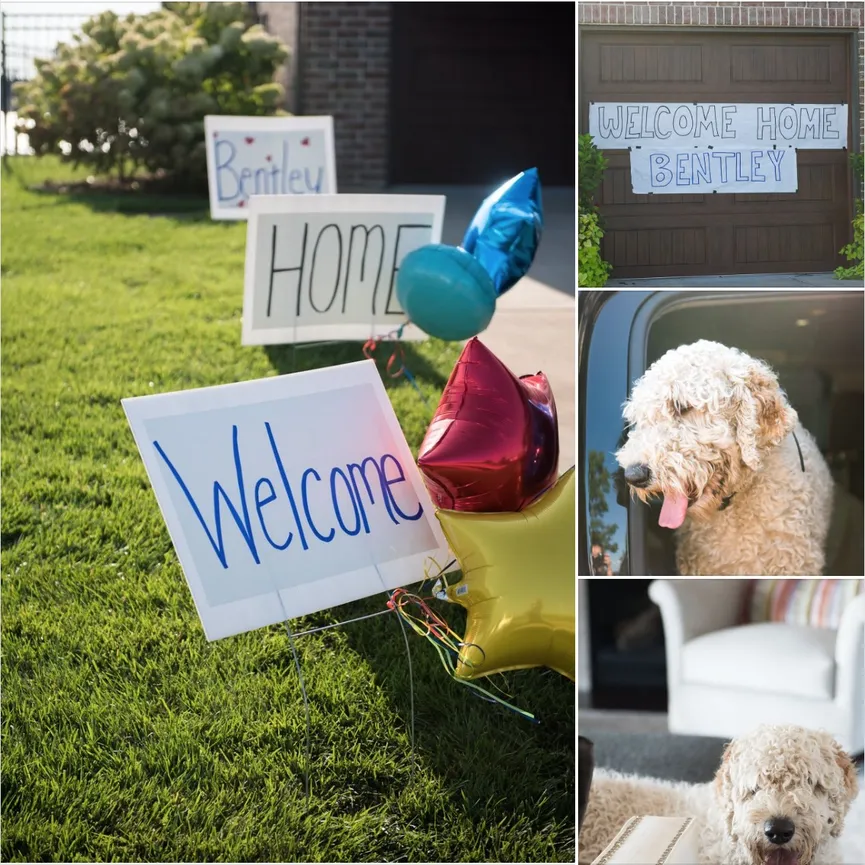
(371, 346)
(444, 639)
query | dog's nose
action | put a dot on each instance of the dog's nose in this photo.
(779, 830)
(637, 475)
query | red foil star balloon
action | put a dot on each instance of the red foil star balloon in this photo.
(493, 444)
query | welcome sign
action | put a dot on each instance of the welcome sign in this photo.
(324, 267)
(616, 125)
(249, 156)
(287, 495)
(700, 147)
(699, 170)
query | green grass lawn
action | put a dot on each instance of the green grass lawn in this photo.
(125, 735)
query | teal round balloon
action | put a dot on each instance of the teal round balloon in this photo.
(445, 291)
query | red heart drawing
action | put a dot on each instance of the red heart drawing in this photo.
(241, 203)
(268, 157)
(305, 142)
(249, 140)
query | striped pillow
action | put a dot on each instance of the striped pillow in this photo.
(818, 603)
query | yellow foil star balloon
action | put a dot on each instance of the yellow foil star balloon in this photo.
(518, 584)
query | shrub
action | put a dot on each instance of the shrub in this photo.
(854, 250)
(857, 160)
(132, 93)
(592, 270)
(592, 165)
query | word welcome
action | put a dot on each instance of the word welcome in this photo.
(696, 171)
(349, 499)
(275, 178)
(286, 495)
(619, 124)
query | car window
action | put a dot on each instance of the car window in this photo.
(813, 341)
(604, 385)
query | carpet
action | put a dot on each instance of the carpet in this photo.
(658, 755)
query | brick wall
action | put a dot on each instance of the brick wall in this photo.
(737, 14)
(342, 65)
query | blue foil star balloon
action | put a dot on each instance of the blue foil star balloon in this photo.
(505, 232)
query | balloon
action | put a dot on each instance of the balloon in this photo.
(505, 232)
(517, 585)
(493, 443)
(445, 292)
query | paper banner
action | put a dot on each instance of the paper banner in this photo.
(677, 171)
(618, 125)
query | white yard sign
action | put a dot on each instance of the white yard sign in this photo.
(620, 125)
(287, 495)
(324, 267)
(249, 156)
(675, 171)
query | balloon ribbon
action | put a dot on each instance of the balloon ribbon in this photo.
(444, 640)
(371, 346)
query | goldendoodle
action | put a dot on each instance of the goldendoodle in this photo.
(744, 484)
(780, 797)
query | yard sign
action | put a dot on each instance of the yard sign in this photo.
(324, 267)
(287, 495)
(266, 156)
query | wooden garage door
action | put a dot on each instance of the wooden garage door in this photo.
(683, 235)
(481, 91)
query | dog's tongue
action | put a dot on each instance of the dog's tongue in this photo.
(781, 856)
(673, 511)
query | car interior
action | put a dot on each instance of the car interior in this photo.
(814, 342)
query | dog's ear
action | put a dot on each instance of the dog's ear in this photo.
(851, 782)
(850, 787)
(724, 788)
(763, 417)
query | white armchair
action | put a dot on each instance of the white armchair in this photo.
(724, 678)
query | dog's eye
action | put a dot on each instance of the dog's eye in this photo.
(750, 794)
(681, 408)
(819, 789)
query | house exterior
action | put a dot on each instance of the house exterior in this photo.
(435, 93)
(726, 53)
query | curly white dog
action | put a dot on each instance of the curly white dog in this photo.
(780, 798)
(744, 484)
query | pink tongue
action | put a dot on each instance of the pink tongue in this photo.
(673, 510)
(782, 856)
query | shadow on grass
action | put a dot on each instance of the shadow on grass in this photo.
(490, 762)
(156, 201)
(304, 356)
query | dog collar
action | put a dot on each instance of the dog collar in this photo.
(801, 461)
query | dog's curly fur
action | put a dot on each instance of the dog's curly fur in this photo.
(776, 771)
(711, 422)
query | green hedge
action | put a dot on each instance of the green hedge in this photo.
(854, 250)
(131, 93)
(592, 270)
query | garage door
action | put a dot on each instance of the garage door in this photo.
(480, 91)
(683, 235)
